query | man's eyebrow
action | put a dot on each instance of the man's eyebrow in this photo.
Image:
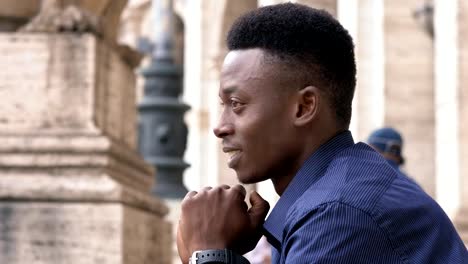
(229, 90)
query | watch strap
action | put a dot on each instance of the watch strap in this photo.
(218, 256)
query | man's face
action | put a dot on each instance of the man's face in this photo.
(256, 125)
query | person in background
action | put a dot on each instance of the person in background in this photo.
(389, 143)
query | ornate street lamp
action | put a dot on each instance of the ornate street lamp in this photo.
(162, 131)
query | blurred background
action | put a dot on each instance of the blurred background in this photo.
(107, 110)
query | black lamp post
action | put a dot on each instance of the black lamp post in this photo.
(162, 131)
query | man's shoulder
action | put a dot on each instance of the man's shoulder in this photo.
(360, 178)
(357, 176)
(361, 187)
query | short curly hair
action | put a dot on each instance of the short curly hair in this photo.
(311, 40)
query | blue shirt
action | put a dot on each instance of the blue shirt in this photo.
(348, 205)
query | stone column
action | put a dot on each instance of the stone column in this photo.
(447, 106)
(461, 218)
(369, 98)
(451, 62)
(72, 187)
(409, 88)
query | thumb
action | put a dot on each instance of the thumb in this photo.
(259, 209)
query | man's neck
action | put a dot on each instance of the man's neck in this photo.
(281, 182)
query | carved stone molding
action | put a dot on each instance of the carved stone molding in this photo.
(100, 17)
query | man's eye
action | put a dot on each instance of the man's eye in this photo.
(235, 104)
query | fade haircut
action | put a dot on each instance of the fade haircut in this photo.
(311, 40)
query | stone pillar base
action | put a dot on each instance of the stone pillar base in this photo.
(78, 199)
(78, 232)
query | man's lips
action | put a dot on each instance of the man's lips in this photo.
(233, 155)
(231, 151)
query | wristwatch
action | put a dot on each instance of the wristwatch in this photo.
(217, 256)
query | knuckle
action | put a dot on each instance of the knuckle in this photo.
(207, 188)
(185, 204)
(239, 189)
(220, 189)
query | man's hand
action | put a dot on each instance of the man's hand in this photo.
(218, 218)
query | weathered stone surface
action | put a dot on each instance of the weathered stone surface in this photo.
(70, 19)
(64, 159)
(462, 215)
(41, 232)
(98, 16)
(72, 83)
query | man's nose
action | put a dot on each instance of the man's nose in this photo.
(223, 130)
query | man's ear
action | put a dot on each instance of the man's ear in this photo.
(308, 102)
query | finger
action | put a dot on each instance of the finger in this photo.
(259, 209)
(240, 189)
(224, 186)
(190, 194)
(207, 188)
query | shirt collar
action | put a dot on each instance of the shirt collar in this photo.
(312, 169)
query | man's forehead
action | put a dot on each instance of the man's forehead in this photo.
(246, 71)
(243, 58)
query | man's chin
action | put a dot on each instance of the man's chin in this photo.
(248, 179)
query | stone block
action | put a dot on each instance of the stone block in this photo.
(65, 83)
(95, 232)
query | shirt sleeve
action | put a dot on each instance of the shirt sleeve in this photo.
(336, 233)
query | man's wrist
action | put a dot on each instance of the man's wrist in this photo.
(217, 256)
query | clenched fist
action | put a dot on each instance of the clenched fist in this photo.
(218, 218)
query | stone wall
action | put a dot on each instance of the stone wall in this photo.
(462, 214)
(72, 187)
